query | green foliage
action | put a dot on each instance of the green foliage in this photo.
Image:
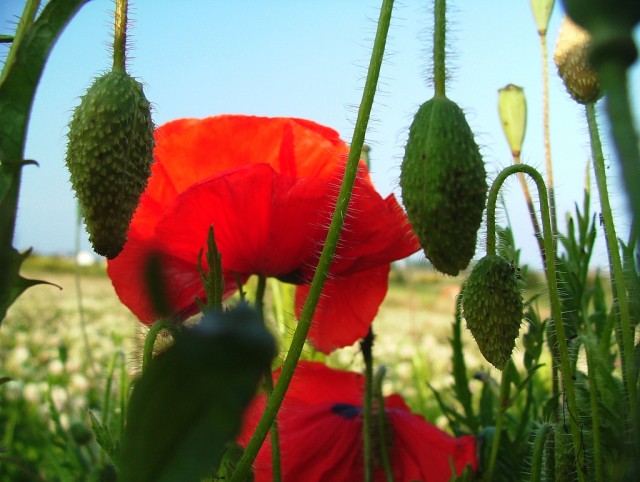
(207, 378)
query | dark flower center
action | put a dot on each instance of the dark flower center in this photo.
(294, 278)
(346, 410)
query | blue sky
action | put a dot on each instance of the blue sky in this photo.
(306, 59)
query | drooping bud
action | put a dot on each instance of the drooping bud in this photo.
(542, 13)
(572, 60)
(109, 156)
(492, 306)
(512, 106)
(444, 185)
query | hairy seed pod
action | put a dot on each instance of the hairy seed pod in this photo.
(444, 185)
(571, 57)
(109, 156)
(492, 306)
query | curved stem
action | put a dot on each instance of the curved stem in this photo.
(552, 282)
(326, 257)
(150, 340)
(532, 212)
(618, 281)
(26, 20)
(120, 36)
(439, 47)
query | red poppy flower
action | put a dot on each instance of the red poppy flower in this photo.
(320, 429)
(268, 186)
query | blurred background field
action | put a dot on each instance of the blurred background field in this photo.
(69, 361)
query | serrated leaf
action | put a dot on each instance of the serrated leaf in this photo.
(188, 404)
(12, 284)
(104, 439)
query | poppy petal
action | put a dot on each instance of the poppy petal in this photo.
(422, 451)
(264, 223)
(194, 149)
(347, 307)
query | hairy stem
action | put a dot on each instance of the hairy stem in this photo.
(439, 47)
(326, 257)
(552, 283)
(617, 273)
(120, 36)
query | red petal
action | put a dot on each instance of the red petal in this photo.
(182, 280)
(376, 231)
(314, 382)
(346, 308)
(193, 149)
(422, 451)
(264, 223)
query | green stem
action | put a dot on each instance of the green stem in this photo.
(322, 270)
(539, 443)
(618, 281)
(366, 346)
(382, 424)
(532, 212)
(26, 20)
(591, 351)
(120, 36)
(613, 78)
(439, 47)
(552, 282)
(12, 170)
(505, 385)
(150, 340)
(276, 469)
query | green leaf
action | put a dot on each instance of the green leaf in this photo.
(188, 403)
(17, 92)
(105, 440)
(12, 284)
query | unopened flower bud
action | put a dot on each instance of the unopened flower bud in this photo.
(512, 106)
(572, 60)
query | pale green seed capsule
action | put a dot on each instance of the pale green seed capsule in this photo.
(542, 13)
(512, 107)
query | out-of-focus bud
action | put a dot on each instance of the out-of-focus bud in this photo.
(610, 24)
(512, 106)
(572, 60)
(542, 13)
